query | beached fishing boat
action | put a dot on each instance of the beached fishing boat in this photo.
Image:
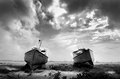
(83, 57)
(36, 57)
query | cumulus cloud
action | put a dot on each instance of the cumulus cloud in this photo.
(87, 15)
(85, 29)
(106, 35)
(109, 8)
(57, 11)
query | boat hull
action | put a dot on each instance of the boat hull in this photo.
(85, 58)
(35, 57)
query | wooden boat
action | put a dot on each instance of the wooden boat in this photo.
(83, 57)
(35, 58)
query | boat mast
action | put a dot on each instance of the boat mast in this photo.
(40, 43)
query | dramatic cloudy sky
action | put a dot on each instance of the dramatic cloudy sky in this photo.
(62, 25)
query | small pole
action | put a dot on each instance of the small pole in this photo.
(40, 42)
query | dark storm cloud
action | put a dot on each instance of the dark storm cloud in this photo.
(113, 25)
(46, 3)
(110, 8)
(11, 9)
(46, 30)
(77, 5)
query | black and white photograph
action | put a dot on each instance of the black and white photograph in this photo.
(59, 39)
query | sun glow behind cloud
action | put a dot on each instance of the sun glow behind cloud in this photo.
(87, 22)
(106, 35)
(57, 11)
